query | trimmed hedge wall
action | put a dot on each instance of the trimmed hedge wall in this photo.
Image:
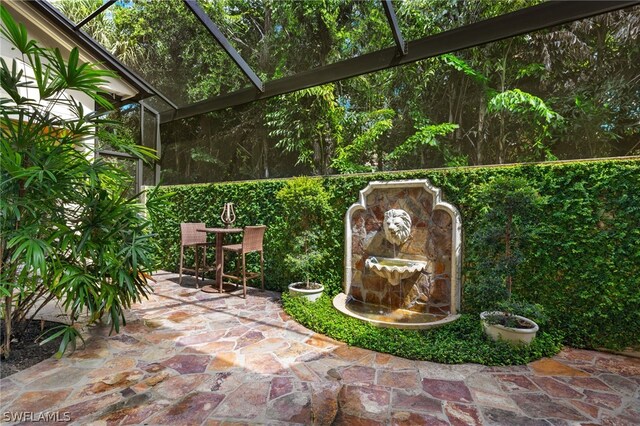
(584, 268)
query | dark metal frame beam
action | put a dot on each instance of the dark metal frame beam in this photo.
(95, 13)
(143, 104)
(224, 43)
(139, 162)
(395, 28)
(158, 141)
(97, 50)
(157, 168)
(523, 21)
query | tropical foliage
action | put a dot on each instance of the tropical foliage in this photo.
(562, 93)
(68, 230)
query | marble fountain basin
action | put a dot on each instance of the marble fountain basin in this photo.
(395, 270)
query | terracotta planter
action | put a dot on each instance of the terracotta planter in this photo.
(312, 294)
(510, 334)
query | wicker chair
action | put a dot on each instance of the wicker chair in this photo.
(251, 242)
(191, 237)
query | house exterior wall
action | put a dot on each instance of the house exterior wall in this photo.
(9, 54)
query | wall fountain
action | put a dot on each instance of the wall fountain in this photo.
(403, 256)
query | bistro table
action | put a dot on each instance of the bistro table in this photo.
(220, 233)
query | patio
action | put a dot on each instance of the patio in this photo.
(189, 357)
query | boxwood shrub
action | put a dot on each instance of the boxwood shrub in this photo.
(583, 265)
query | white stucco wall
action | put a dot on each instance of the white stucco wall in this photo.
(9, 54)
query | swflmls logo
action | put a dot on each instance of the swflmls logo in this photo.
(28, 416)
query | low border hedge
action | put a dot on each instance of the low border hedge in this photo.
(458, 342)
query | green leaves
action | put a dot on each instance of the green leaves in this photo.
(306, 208)
(359, 155)
(459, 342)
(307, 123)
(462, 66)
(425, 136)
(70, 74)
(518, 102)
(10, 81)
(69, 336)
(509, 208)
(305, 256)
(67, 230)
(580, 258)
(32, 251)
(583, 72)
(306, 202)
(16, 33)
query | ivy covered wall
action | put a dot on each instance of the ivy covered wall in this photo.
(583, 265)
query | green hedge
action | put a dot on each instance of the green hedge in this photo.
(458, 342)
(584, 268)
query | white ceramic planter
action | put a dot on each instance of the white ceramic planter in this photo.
(309, 294)
(514, 335)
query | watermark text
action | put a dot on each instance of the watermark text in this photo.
(29, 416)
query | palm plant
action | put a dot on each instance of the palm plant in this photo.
(67, 231)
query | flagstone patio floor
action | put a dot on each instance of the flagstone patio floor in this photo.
(192, 358)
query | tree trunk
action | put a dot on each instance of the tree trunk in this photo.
(501, 141)
(507, 249)
(502, 138)
(265, 151)
(327, 148)
(317, 154)
(265, 62)
(8, 300)
(482, 116)
(6, 344)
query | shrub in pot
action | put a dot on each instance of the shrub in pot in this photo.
(306, 204)
(302, 262)
(500, 236)
(505, 324)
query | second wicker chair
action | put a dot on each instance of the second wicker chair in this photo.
(251, 242)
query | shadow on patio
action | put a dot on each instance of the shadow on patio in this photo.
(189, 357)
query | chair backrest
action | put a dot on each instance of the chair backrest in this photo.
(189, 234)
(252, 238)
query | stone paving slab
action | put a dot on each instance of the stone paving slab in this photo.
(193, 358)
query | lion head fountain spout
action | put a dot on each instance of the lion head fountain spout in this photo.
(397, 229)
(397, 226)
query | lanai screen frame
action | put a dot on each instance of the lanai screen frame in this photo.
(523, 21)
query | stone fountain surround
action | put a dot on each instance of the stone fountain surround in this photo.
(340, 301)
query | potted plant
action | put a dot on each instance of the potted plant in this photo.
(501, 234)
(504, 324)
(305, 258)
(306, 204)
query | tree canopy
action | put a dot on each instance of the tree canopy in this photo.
(562, 93)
